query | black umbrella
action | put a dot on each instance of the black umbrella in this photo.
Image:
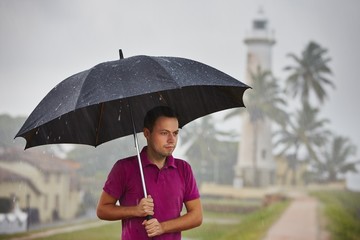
(111, 99)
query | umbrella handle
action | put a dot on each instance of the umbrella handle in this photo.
(148, 217)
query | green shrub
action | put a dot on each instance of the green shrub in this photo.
(342, 211)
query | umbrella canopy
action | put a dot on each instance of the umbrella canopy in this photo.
(111, 99)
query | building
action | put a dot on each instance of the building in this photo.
(44, 186)
(12, 218)
(255, 164)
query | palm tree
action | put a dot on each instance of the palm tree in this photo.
(334, 159)
(303, 134)
(309, 74)
(208, 156)
(265, 101)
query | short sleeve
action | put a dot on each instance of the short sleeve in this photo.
(114, 184)
(191, 189)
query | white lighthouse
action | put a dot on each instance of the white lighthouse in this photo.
(255, 164)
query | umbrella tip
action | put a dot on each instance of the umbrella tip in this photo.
(121, 54)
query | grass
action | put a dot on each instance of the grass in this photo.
(255, 225)
(108, 231)
(342, 211)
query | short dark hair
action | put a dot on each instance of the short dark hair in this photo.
(153, 114)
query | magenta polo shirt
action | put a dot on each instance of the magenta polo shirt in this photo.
(170, 187)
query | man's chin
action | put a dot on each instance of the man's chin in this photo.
(168, 152)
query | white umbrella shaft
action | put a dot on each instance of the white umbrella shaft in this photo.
(140, 164)
(138, 153)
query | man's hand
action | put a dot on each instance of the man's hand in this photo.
(153, 227)
(146, 207)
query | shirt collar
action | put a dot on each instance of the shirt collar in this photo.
(170, 161)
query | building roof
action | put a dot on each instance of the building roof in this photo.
(9, 176)
(46, 163)
(43, 161)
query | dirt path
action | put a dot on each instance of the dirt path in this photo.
(299, 222)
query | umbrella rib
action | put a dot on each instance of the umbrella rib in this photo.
(162, 67)
(99, 124)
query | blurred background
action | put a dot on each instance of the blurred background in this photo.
(299, 130)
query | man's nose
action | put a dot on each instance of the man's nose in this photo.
(171, 138)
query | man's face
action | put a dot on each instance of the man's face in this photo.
(163, 138)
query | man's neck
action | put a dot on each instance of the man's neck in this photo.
(154, 158)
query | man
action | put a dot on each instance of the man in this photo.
(170, 184)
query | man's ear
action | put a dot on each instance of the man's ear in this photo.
(146, 133)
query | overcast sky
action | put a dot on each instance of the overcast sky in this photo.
(44, 41)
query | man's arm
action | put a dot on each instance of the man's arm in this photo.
(108, 210)
(192, 219)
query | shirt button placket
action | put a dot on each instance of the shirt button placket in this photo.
(161, 175)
